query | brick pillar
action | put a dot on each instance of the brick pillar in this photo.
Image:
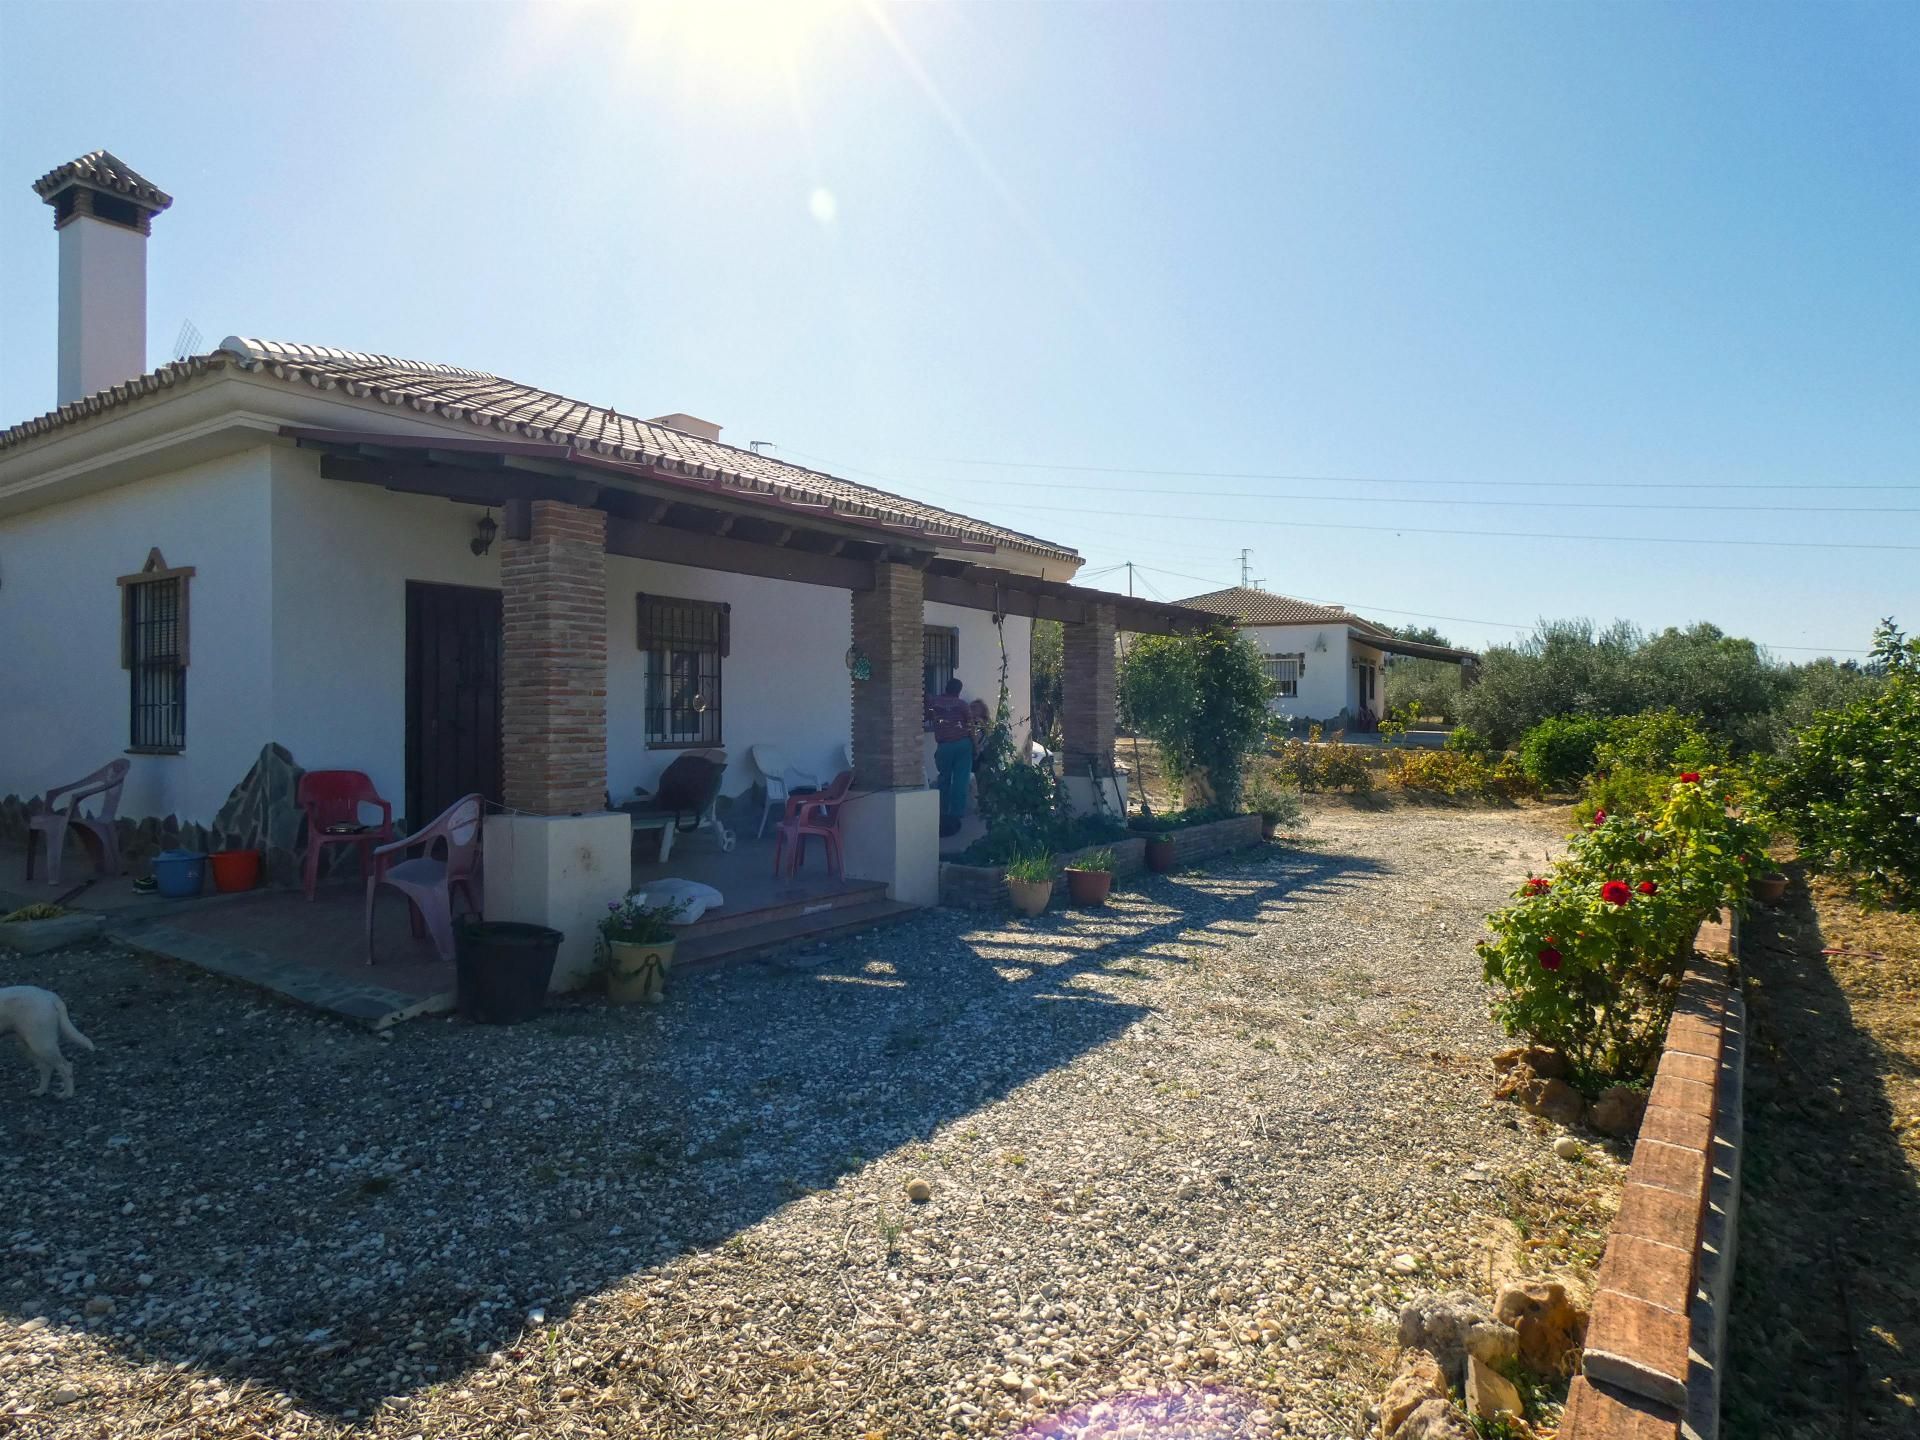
(553, 722)
(1087, 692)
(889, 708)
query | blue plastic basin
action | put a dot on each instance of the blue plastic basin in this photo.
(179, 873)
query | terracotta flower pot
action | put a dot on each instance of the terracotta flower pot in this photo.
(235, 870)
(1030, 897)
(1161, 856)
(1768, 889)
(1089, 887)
(638, 973)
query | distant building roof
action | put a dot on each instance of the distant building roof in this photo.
(508, 408)
(1263, 607)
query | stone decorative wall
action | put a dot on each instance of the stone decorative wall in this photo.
(553, 693)
(984, 887)
(1656, 1342)
(261, 813)
(888, 628)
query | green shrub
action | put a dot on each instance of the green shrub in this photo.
(1161, 822)
(1587, 958)
(1098, 861)
(1558, 753)
(1008, 839)
(1453, 773)
(1273, 802)
(1658, 741)
(1203, 699)
(1312, 766)
(1465, 740)
(1848, 789)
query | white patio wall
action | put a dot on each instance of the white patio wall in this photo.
(64, 698)
(342, 557)
(978, 660)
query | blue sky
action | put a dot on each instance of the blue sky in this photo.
(1619, 257)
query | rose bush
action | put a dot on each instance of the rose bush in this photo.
(1587, 958)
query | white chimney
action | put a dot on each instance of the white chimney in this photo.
(103, 210)
(688, 425)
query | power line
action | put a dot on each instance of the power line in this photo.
(1474, 534)
(1450, 500)
(1470, 620)
(1381, 480)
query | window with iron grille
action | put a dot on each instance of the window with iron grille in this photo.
(684, 641)
(939, 657)
(1284, 671)
(153, 649)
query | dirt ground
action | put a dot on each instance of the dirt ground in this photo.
(1825, 1327)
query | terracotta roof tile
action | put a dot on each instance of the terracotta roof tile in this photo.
(1262, 607)
(103, 170)
(507, 407)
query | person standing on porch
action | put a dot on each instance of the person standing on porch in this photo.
(952, 725)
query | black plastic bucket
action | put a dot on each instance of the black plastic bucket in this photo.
(502, 970)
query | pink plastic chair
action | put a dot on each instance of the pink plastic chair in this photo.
(816, 814)
(428, 881)
(334, 797)
(52, 823)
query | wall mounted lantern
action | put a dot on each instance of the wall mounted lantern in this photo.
(483, 532)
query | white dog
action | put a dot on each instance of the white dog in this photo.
(39, 1018)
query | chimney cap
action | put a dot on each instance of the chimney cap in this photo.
(103, 171)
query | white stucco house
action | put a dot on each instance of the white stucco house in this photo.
(1326, 663)
(455, 582)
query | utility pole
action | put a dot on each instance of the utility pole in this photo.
(1129, 579)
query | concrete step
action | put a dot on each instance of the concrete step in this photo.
(719, 922)
(702, 952)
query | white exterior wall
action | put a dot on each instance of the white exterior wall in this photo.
(342, 557)
(1356, 652)
(1327, 686)
(64, 698)
(785, 682)
(978, 661)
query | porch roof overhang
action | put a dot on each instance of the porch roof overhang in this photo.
(1415, 649)
(662, 515)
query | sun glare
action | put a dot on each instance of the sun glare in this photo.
(733, 47)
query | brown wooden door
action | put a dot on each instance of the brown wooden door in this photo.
(453, 697)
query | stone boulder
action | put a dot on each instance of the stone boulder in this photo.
(1418, 1380)
(1434, 1420)
(1452, 1326)
(262, 813)
(1550, 1320)
(1544, 1095)
(1618, 1112)
(1548, 1064)
(1489, 1393)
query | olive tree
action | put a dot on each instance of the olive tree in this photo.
(1202, 699)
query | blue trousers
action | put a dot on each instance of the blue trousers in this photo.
(954, 760)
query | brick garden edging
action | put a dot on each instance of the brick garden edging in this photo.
(1656, 1340)
(984, 887)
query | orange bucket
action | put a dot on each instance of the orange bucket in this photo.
(235, 870)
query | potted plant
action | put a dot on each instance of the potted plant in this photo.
(1030, 883)
(1769, 887)
(1090, 878)
(1274, 804)
(636, 949)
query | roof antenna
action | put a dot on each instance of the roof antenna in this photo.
(755, 446)
(188, 341)
(1246, 570)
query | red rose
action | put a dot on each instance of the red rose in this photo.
(1646, 887)
(1549, 958)
(1599, 817)
(1536, 885)
(1692, 777)
(1615, 892)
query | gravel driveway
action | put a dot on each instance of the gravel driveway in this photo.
(1184, 1156)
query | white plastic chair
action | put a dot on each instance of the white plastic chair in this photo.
(779, 778)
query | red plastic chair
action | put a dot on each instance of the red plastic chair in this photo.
(816, 814)
(52, 823)
(334, 797)
(449, 861)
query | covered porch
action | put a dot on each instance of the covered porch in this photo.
(572, 521)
